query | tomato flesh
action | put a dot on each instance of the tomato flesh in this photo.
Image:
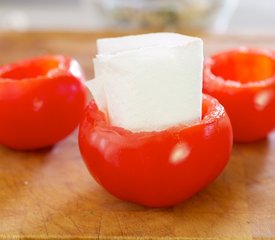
(156, 169)
(41, 101)
(243, 80)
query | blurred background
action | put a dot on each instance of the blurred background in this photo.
(218, 16)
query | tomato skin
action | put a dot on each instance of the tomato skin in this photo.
(156, 169)
(234, 78)
(41, 101)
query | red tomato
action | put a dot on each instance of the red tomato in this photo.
(41, 101)
(243, 80)
(156, 169)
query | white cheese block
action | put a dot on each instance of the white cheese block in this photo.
(97, 90)
(150, 82)
(126, 43)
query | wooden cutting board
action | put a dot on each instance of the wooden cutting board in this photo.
(49, 193)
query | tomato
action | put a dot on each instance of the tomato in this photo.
(156, 169)
(41, 101)
(243, 80)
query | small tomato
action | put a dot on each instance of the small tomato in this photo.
(156, 169)
(243, 80)
(41, 101)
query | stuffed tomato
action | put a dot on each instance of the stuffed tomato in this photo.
(156, 169)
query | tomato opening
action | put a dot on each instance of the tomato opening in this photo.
(211, 110)
(243, 66)
(30, 69)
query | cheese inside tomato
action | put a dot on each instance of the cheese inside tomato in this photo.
(149, 82)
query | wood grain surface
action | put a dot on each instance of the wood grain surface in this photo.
(49, 194)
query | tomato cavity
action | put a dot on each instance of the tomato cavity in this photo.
(243, 66)
(30, 69)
